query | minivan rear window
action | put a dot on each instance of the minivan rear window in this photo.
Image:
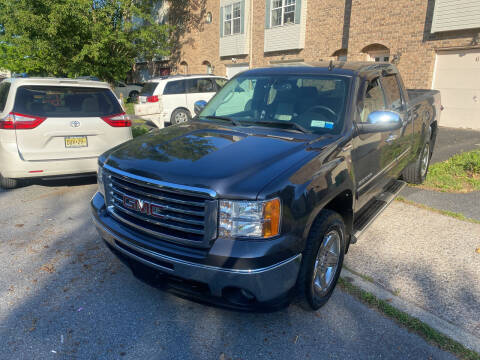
(65, 101)
(148, 89)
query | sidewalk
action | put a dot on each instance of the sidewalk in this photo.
(426, 259)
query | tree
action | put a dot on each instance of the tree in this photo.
(79, 37)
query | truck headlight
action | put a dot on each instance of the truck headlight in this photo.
(253, 219)
(101, 184)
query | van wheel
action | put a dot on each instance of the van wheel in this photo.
(322, 260)
(8, 183)
(133, 96)
(416, 172)
(180, 116)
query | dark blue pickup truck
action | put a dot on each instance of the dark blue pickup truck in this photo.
(258, 198)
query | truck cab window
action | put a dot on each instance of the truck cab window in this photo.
(372, 101)
(392, 92)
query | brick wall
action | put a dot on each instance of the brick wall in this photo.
(402, 26)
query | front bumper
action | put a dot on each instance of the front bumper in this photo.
(266, 282)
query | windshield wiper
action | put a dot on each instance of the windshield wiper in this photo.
(233, 121)
(290, 124)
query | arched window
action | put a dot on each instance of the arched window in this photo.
(377, 52)
(208, 67)
(340, 54)
(184, 68)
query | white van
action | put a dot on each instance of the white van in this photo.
(56, 127)
(172, 98)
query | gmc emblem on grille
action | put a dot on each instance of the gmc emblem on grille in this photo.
(142, 206)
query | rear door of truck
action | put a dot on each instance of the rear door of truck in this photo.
(57, 122)
(399, 142)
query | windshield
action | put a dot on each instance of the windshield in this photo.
(316, 103)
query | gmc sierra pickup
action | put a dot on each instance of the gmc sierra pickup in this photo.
(256, 200)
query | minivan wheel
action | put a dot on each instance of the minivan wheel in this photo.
(322, 260)
(133, 96)
(8, 183)
(180, 116)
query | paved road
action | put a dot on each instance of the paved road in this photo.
(451, 141)
(64, 296)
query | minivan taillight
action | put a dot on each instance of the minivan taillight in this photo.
(16, 121)
(118, 120)
(152, 99)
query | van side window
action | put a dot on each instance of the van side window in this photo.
(4, 89)
(392, 92)
(200, 86)
(372, 101)
(174, 87)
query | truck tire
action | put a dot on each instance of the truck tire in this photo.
(322, 260)
(180, 116)
(416, 172)
(8, 183)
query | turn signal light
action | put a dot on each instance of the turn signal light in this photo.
(271, 218)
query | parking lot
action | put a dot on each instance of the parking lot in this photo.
(63, 295)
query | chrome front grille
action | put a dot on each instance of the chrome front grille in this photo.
(164, 212)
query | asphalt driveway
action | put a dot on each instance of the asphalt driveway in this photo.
(63, 295)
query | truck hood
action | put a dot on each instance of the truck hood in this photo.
(235, 162)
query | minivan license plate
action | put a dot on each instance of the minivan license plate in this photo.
(75, 141)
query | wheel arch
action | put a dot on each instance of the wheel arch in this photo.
(180, 108)
(342, 203)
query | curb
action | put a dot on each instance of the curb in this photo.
(463, 337)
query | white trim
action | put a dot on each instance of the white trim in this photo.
(434, 71)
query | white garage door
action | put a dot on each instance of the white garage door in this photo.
(457, 76)
(233, 70)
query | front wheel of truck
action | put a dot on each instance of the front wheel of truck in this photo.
(322, 260)
(416, 172)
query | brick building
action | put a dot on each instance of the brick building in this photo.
(436, 44)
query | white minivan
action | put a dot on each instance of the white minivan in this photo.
(56, 127)
(172, 98)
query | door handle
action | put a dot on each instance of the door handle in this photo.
(391, 138)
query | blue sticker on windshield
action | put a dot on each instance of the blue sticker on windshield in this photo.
(328, 125)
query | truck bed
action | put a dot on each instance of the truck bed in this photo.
(417, 95)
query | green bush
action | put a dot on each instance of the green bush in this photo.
(139, 130)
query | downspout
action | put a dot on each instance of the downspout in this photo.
(250, 36)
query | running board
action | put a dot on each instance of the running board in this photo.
(375, 207)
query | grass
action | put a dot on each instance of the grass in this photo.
(412, 324)
(443, 212)
(129, 108)
(460, 173)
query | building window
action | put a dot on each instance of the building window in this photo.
(283, 12)
(232, 19)
(208, 67)
(184, 67)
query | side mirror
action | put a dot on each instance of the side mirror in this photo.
(380, 121)
(198, 106)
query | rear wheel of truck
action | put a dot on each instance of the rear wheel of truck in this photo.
(180, 116)
(8, 183)
(322, 260)
(416, 172)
